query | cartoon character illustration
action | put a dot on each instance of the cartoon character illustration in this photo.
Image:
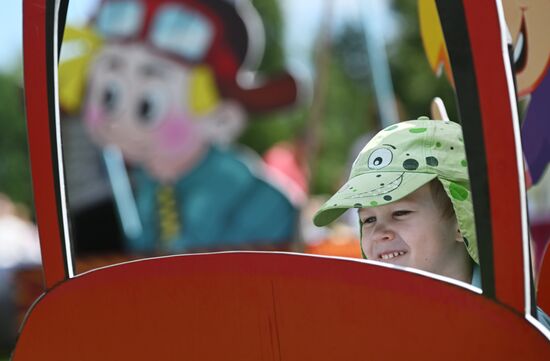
(535, 131)
(527, 21)
(166, 86)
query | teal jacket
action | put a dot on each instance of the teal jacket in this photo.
(221, 204)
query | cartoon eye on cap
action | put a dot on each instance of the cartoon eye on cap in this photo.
(380, 158)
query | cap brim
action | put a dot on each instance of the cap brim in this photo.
(370, 190)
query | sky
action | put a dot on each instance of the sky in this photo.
(10, 34)
(301, 20)
(11, 25)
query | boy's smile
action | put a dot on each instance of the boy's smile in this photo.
(390, 256)
(412, 232)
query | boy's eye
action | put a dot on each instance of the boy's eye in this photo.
(401, 213)
(369, 220)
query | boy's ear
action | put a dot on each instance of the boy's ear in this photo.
(458, 236)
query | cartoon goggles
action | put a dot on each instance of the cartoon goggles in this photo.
(174, 28)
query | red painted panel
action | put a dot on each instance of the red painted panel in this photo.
(265, 306)
(489, 61)
(543, 291)
(242, 306)
(36, 101)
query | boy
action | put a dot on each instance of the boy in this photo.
(410, 184)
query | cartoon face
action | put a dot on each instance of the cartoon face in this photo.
(377, 155)
(377, 159)
(385, 184)
(382, 157)
(400, 149)
(527, 21)
(144, 104)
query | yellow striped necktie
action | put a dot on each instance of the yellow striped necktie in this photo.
(169, 223)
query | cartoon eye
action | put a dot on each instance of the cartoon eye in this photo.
(148, 109)
(380, 158)
(110, 97)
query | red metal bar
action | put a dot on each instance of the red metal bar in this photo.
(500, 129)
(42, 140)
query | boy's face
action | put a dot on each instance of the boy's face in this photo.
(411, 232)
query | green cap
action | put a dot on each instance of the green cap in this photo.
(400, 159)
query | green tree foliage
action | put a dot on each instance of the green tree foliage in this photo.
(348, 109)
(15, 179)
(270, 12)
(264, 130)
(345, 114)
(348, 112)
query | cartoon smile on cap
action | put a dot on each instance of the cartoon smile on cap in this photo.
(383, 188)
(387, 182)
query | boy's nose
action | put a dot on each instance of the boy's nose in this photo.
(387, 235)
(380, 233)
(383, 233)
